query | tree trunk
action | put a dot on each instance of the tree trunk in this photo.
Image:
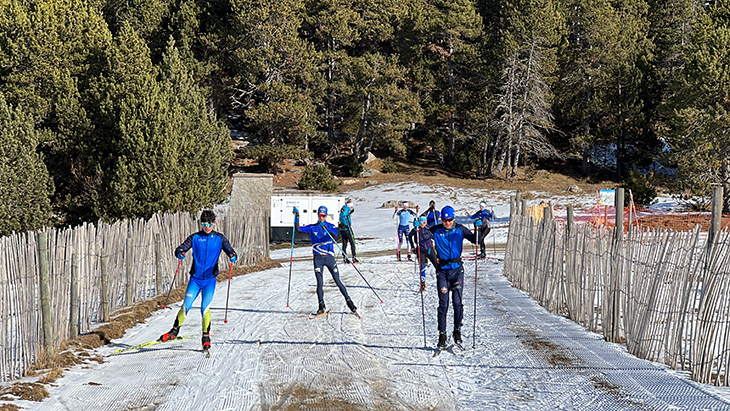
(331, 93)
(725, 176)
(450, 93)
(364, 122)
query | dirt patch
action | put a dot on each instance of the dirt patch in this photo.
(554, 354)
(26, 391)
(303, 398)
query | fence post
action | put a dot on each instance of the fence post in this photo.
(128, 264)
(104, 297)
(518, 203)
(158, 266)
(45, 291)
(523, 208)
(74, 317)
(617, 264)
(716, 221)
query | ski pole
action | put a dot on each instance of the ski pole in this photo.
(494, 237)
(476, 262)
(230, 272)
(353, 264)
(172, 283)
(418, 264)
(291, 259)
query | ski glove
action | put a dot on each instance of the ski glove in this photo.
(322, 224)
(233, 258)
(478, 223)
(416, 223)
(180, 256)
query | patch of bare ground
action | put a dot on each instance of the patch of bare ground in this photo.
(554, 354)
(47, 370)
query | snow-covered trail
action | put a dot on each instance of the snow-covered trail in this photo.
(270, 357)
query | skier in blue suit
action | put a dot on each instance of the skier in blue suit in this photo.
(432, 215)
(425, 250)
(404, 225)
(485, 216)
(448, 238)
(324, 254)
(207, 245)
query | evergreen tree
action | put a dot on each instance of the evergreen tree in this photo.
(25, 185)
(700, 141)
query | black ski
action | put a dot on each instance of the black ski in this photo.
(206, 352)
(461, 347)
(439, 350)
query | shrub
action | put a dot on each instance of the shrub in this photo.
(389, 166)
(317, 178)
(641, 187)
(353, 166)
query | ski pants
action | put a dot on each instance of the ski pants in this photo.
(450, 280)
(321, 261)
(423, 255)
(403, 237)
(196, 287)
(483, 233)
(347, 238)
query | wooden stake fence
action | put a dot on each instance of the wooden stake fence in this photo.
(662, 292)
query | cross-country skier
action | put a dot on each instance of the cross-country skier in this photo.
(432, 215)
(207, 245)
(425, 248)
(324, 254)
(485, 216)
(345, 227)
(448, 238)
(404, 225)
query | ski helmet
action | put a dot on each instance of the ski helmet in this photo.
(322, 210)
(447, 212)
(483, 204)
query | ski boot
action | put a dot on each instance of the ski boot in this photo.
(355, 260)
(351, 306)
(457, 336)
(321, 309)
(442, 339)
(170, 335)
(409, 258)
(206, 341)
(483, 253)
(347, 260)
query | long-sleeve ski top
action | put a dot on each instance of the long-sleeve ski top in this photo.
(432, 217)
(321, 241)
(404, 216)
(206, 249)
(425, 238)
(484, 215)
(345, 219)
(448, 243)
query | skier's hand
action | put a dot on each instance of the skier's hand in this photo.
(233, 258)
(180, 256)
(416, 223)
(322, 224)
(478, 223)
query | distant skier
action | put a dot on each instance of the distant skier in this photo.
(425, 250)
(404, 225)
(448, 238)
(345, 227)
(485, 216)
(207, 245)
(432, 215)
(324, 254)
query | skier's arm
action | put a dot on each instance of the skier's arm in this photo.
(185, 246)
(296, 221)
(468, 234)
(226, 246)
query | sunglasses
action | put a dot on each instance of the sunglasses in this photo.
(207, 224)
(447, 220)
(322, 215)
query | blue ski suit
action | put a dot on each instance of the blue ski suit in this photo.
(450, 271)
(486, 216)
(404, 223)
(321, 235)
(203, 272)
(432, 217)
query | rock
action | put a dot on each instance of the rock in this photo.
(349, 182)
(367, 183)
(391, 204)
(574, 189)
(370, 158)
(368, 172)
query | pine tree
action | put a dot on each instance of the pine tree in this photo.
(699, 139)
(25, 185)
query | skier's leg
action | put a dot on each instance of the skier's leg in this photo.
(318, 265)
(332, 267)
(208, 291)
(456, 278)
(442, 285)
